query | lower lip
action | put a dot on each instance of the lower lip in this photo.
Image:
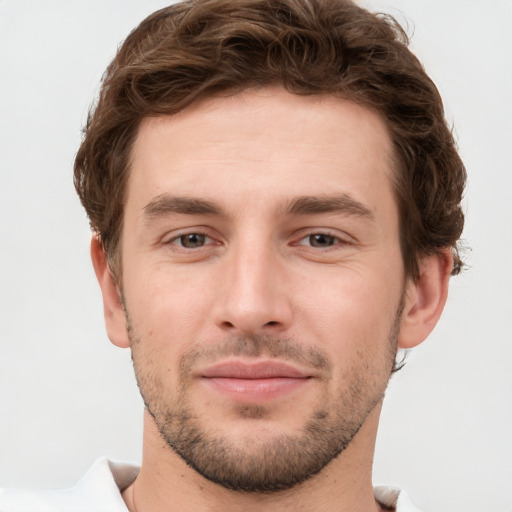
(255, 390)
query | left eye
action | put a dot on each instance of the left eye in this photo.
(191, 240)
(320, 240)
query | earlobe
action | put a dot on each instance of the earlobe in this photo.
(115, 319)
(425, 299)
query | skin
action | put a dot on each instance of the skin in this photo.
(330, 282)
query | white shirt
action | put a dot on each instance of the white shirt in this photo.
(100, 491)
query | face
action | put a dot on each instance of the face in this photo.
(262, 281)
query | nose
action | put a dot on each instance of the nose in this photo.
(255, 298)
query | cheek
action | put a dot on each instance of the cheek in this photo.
(354, 310)
(168, 308)
(354, 322)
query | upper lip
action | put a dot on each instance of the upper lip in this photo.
(236, 369)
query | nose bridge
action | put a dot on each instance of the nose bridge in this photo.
(255, 299)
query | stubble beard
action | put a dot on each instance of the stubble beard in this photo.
(284, 460)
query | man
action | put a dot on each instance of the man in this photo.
(275, 200)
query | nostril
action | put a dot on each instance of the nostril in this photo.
(272, 323)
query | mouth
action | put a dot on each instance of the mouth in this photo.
(254, 382)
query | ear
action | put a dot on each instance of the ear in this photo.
(425, 299)
(115, 320)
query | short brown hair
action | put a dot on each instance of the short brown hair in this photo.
(205, 47)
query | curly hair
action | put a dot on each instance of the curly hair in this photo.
(206, 47)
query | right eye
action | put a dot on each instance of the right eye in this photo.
(191, 240)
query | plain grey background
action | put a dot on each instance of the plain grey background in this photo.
(67, 396)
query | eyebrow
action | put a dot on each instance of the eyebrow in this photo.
(166, 204)
(340, 203)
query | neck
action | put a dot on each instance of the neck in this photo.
(166, 482)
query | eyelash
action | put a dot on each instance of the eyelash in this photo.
(188, 234)
(304, 239)
(335, 240)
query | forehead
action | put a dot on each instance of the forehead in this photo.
(261, 143)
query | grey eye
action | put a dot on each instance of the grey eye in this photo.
(321, 240)
(192, 240)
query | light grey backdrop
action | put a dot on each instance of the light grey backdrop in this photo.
(67, 396)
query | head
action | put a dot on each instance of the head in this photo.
(276, 195)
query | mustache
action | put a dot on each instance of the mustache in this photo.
(285, 349)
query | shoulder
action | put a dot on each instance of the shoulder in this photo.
(99, 490)
(394, 498)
